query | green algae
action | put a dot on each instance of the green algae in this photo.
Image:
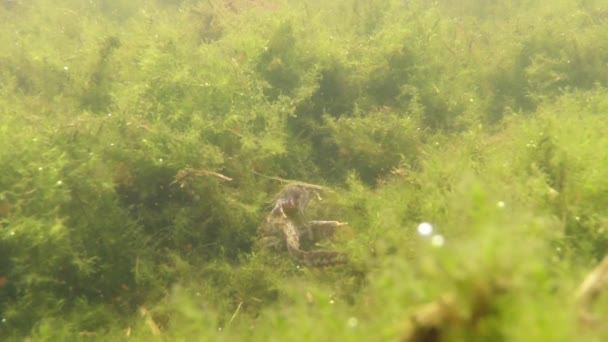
(136, 135)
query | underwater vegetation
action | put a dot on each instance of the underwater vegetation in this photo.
(166, 167)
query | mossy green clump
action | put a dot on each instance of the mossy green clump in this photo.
(143, 143)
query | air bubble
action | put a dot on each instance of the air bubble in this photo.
(425, 229)
(438, 240)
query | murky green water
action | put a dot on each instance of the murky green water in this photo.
(450, 157)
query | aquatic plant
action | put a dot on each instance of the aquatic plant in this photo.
(143, 143)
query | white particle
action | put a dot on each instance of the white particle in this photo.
(109, 114)
(437, 240)
(65, 67)
(353, 322)
(331, 301)
(59, 182)
(3, 320)
(12, 233)
(40, 168)
(111, 144)
(500, 204)
(577, 218)
(425, 229)
(160, 160)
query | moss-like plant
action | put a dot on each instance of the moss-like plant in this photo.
(143, 142)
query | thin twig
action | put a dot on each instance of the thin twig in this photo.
(294, 182)
(187, 173)
(238, 308)
(149, 321)
(589, 291)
